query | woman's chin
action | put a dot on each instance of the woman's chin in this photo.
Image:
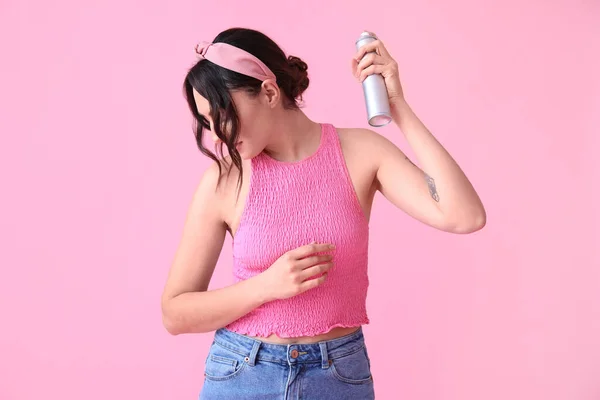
(244, 152)
(240, 149)
(244, 156)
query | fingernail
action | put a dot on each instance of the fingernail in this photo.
(332, 246)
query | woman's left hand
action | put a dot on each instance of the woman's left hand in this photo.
(373, 58)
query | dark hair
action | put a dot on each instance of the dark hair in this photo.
(214, 83)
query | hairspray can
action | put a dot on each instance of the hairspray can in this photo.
(376, 97)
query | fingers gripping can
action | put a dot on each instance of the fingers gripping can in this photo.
(375, 92)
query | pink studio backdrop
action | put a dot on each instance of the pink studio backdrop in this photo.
(98, 165)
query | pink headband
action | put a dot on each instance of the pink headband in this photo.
(234, 59)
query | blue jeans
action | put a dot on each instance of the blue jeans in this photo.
(239, 367)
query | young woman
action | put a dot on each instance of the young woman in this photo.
(296, 196)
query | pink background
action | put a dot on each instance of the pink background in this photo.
(98, 165)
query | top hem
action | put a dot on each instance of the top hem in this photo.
(263, 333)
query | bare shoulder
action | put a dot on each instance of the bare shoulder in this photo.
(366, 142)
(362, 137)
(217, 184)
(208, 187)
(223, 184)
(355, 134)
(224, 175)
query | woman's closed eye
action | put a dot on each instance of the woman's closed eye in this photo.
(204, 123)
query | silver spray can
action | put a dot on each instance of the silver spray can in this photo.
(376, 97)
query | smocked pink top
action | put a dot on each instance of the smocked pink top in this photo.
(290, 205)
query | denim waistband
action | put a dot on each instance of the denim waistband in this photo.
(320, 352)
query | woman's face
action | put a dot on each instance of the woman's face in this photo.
(253, 115)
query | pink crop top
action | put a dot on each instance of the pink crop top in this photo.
(290, 205)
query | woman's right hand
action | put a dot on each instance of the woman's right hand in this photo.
(291, 274)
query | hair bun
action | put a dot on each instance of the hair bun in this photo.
(300, 76)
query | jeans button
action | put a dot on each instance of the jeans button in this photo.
(294, 353)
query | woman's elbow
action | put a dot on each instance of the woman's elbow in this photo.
(169, 319)
(472, 224)
(171, 326)
(480, 220)
(466, 223)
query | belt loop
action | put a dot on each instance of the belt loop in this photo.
(254, 353)
(324, 356)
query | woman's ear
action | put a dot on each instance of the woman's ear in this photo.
(270, 92)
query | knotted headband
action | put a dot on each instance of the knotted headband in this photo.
(234, 59)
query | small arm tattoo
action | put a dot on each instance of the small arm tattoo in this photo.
(430, 183)
(432, 188)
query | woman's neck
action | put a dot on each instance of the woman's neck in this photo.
(295, 137)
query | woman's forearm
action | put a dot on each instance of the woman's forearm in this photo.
(197, 312)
